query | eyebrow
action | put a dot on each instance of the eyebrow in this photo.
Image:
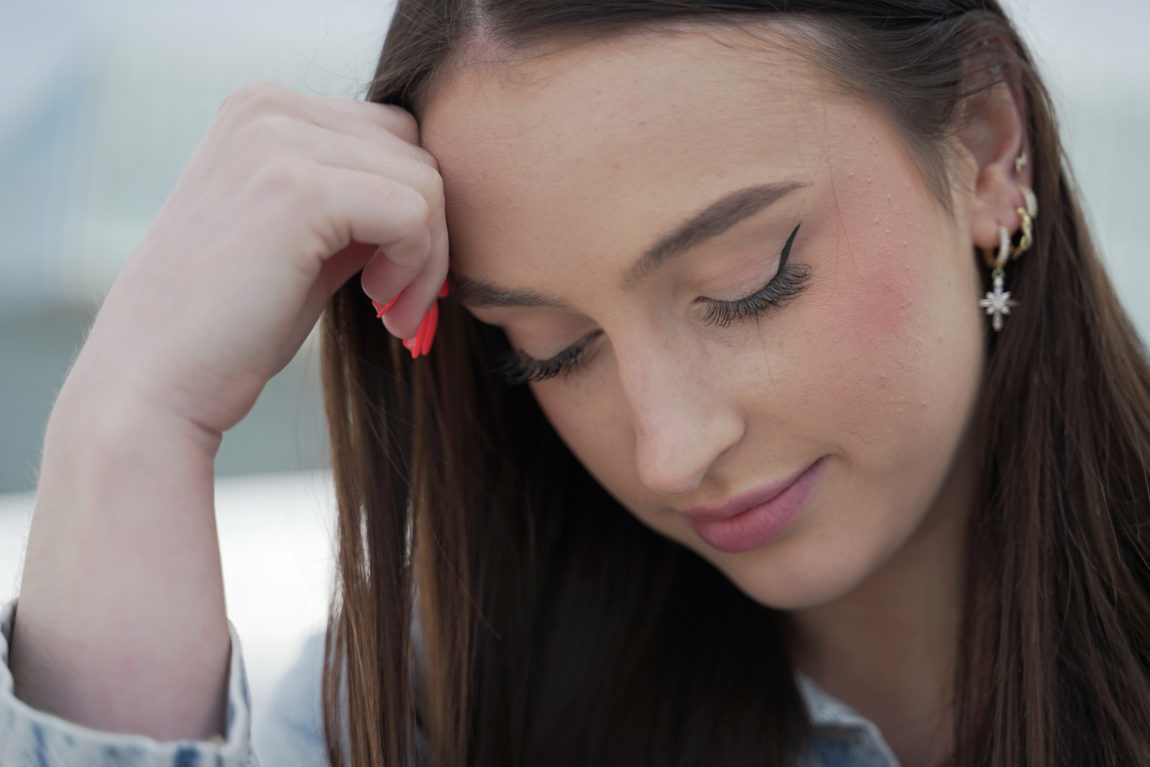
(707, 224)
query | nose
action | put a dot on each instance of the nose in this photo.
(682, 421)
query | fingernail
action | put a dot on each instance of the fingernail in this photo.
(415, 345)
(432, 324)
(421, 335)
(382, 309)
(425, 335)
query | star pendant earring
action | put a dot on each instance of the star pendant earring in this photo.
(998, 301)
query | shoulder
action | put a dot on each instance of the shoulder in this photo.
(288, 729)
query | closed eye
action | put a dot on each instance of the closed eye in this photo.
(789, 280)
(519, 368)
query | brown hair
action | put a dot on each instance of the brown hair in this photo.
(559, 630)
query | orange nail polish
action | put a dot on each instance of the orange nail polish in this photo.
(417, 342)
(432, 324)
(429, 321)
(382, 309)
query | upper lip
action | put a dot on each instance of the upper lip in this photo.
(740, 503)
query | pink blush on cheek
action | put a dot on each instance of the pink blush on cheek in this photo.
(873, 297)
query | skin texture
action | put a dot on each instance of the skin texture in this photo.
(560, 168)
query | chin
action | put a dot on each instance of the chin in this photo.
(795, 580)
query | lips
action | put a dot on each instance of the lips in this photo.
(744, 502)
(755, 519)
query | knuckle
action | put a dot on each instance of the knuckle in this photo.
(434, 189)
(408, 204)
(405, 121)
(288, 177)
(427, 158)
(271, 130)
(400, 122)
(252, 97)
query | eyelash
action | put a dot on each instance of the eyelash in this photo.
(519, 368)
(788, 282)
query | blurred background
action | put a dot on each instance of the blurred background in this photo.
(101, 106)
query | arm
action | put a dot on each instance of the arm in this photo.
(122, 594)
(121, 622)
(32, 737)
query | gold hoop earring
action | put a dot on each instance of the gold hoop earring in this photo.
(1026, 216)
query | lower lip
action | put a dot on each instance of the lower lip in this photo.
(762, 524)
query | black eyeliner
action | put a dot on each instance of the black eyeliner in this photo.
(789, 280)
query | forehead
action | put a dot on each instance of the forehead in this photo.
(592, 148)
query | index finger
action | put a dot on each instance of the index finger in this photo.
(392, 118)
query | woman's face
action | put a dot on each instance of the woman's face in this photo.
(694, 370)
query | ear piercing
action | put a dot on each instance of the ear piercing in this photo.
(1020, 163)
(998, 302)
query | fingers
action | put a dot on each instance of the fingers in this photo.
(361, 164)
(403, 279)
(411, 262)
(266, 98)
(421, 344)
(388, 157)
(417, 299)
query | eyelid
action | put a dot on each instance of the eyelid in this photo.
(787, 282)
(784, 259)
(518, 367)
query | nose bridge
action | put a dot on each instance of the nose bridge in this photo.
(681, 420)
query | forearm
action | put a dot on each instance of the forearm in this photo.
(121, 623)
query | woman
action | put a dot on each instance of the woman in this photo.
(828, 405)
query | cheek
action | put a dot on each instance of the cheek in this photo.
(896, 342)
(594, 430)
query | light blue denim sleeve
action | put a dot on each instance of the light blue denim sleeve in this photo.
(288, 732)
(31, 738)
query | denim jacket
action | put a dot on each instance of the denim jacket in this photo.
(288, 731)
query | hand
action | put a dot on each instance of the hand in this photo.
(285, 198)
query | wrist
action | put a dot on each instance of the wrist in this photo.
(98, 413)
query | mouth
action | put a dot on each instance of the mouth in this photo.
(755, 518)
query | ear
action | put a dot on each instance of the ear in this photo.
(995, 136)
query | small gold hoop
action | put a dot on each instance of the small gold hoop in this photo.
(998, 260)
(1031, 200)
(1027, 234)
